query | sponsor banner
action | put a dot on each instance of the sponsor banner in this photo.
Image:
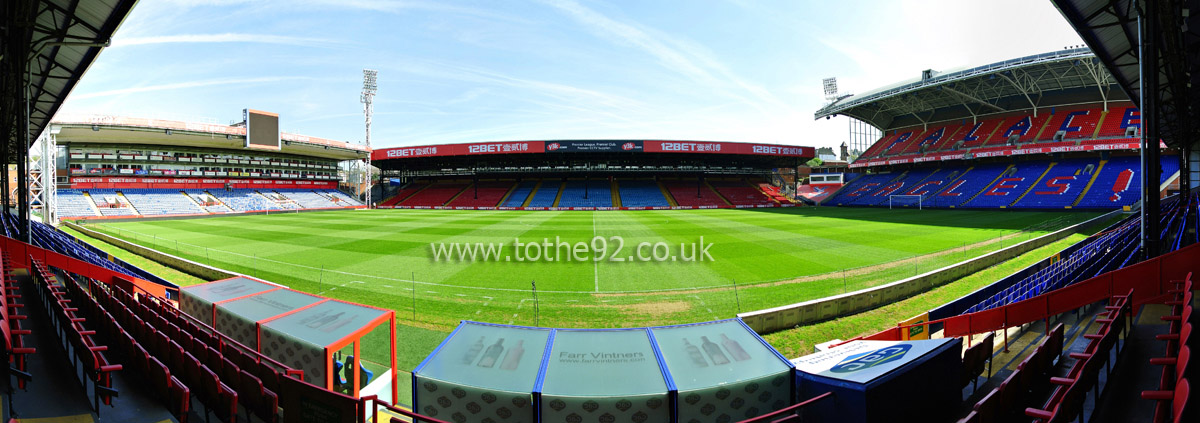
(1047, 149)
(593, 146)
(509, 147)
(194, 183)
(863, 361)
(709, 147)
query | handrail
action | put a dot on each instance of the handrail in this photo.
(374, 411)
(788, 413)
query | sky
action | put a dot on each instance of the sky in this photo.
(471, 71)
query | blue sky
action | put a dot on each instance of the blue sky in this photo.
(451, 71)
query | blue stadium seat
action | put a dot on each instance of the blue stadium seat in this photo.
(641, 193)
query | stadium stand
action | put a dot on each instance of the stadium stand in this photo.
(437, 194)
(404, 193)
(908, 179)
(1005, 190)
(308, 199)
(339, 198)
(1073, 123)
(599, 194)
(546, 194)
(692, 193)
(971, 183)
(861, 188)
(741, 193)
(519, 194)
(150, 202)
(72, 203)
(1061, 185)
(1118, 121)
(641, 193)
(974, 135)
(1116, 185)
(489, 194)
(110, 203)
(243, 200)
(207, 201)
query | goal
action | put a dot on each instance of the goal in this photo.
(905, 201)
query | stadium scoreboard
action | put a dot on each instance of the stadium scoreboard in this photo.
(262, 129)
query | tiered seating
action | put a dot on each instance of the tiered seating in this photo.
(880, 195)
(1082, 123)
(222, 373)
(933, 139)
(1068, 395)
(1118, 119)
(902, 139)
(685, 193)
(77, 331)
(489, 194)
(877, 149)
(47, 237)
(740, 193)
(972, 182)
(343, 200)
(115, 208)
(544, 197)
(599, 194)
(404, 193)
(436, 195)
(308, 199)
(244, 200)
(974, 359)
(641, 193)
(1174, 386)
(1061, 185)
(860, 188)
(518, 196)
(10, 323)
(1025, 126)
(1006, 189)
(974, 134)
(1116, 186)
(202, 198)
(1104, 252)
(151, 202)
(72, 203)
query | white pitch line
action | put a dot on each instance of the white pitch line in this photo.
(595, 264)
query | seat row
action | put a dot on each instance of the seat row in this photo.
(1006, 401)
(227, 375)
(76, 334)
(11, 316)
(1174, 387)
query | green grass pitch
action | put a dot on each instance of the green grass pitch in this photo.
(761, 259)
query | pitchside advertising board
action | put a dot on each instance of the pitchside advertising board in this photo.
(592, 146)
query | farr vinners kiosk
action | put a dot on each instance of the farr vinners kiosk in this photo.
(706, 372)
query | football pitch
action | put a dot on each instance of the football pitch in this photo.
(740, 260)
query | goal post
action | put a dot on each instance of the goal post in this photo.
(905, 201)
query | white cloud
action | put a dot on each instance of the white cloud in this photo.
(186, 85)
(229, 37)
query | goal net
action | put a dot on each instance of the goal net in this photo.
(895, 201)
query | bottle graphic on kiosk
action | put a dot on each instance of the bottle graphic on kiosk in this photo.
(492, 354)
(694, 353)
(473, 352)
(319, 322)
(514, 356)
(714, 351)
(735, 349)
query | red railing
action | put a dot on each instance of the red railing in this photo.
(789, 414)
(1148, 278)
